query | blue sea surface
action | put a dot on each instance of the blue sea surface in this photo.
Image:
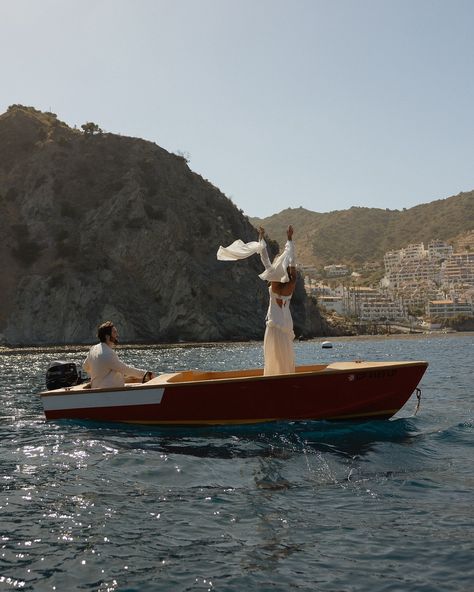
(314, 506)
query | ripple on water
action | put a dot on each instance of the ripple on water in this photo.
(309, 506)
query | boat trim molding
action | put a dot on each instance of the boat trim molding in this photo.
(88, 400)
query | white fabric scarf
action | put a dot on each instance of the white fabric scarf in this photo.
(274, 272)
(239, 250)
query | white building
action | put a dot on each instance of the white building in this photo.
(414, 252)
(438, 249)
(446, 309)
(382, 309)
(369, 304)
(336, 270)
(392, 260)
(335, 303)
(458, 269)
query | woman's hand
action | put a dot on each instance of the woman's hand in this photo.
(261, 232)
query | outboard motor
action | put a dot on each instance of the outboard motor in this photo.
(61, 374)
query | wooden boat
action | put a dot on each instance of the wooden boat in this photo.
(338, 391)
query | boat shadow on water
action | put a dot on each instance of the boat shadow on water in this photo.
(276, 439)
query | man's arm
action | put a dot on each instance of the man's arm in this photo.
(115, 364)
(87, 364)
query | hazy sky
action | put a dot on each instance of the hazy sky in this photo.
(323, 104)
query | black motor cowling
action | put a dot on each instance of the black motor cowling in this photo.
(61, 374)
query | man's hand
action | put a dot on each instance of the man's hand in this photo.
(148, 376)
(289, 232)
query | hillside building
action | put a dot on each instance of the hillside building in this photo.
(445, 309)
(336, 270)
(335, 303)
(466, 242)
(458, 269)
(369, 304)
(438, 249)
(435, 281)
(382, 309)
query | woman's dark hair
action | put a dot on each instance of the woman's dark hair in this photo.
(104, 330)
(291, 271)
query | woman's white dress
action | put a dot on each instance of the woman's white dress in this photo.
(278, 350)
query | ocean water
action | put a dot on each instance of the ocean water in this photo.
(313, 506)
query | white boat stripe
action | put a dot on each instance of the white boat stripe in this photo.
(84, 400)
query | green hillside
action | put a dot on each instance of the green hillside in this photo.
(359, 234)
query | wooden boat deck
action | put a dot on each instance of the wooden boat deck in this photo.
(203, 376)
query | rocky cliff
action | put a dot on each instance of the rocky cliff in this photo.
(98, 226)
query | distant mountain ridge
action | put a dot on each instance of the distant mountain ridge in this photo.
(360, 234)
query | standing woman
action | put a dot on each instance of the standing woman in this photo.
(278, 350)
(281, 277)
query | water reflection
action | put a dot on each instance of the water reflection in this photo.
(279, 439)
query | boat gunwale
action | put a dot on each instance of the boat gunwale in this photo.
(356, 366)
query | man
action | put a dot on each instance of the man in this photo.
(103, 364)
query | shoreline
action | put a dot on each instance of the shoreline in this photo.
(81, 347)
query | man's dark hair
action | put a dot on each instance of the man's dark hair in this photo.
(104, 330)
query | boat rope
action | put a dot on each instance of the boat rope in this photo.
(418, 397)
